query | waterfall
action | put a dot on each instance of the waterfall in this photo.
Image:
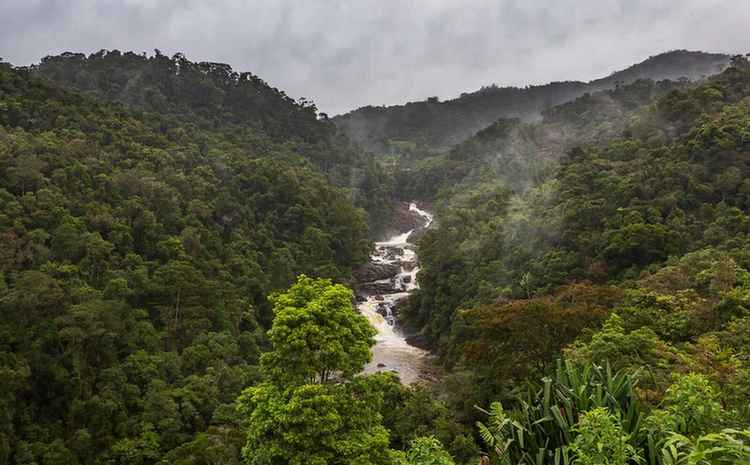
(391, 351)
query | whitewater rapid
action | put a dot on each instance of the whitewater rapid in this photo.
(391, 351)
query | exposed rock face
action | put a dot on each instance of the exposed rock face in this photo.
(372, 271)
(403, 220)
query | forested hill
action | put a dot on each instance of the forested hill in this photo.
(519, 155)
(632, 248)
(138, 251)
(212, 98)
(440, 125)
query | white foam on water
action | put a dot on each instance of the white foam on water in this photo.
(391, 351)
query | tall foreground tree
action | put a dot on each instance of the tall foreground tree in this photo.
(316, 334)
(314, 424)
(312, 410)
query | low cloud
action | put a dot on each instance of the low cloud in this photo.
(347, 53)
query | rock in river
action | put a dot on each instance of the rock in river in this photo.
(375, 271)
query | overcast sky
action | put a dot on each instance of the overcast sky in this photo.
(347, 53)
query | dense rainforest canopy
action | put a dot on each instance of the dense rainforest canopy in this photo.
(138, 251)
(178, 239)
(612, 232)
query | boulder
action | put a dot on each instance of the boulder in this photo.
(418, 340)
(382, 309)
(410, 265)
(393, 253)
(380, 287)
(375, 271)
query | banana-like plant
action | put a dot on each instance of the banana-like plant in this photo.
(728, 447)
(540, 427)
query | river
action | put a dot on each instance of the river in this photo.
(391, 351)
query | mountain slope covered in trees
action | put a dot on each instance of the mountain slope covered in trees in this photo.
(629, 249)
(137, 255)
(240, 108)
(177, 238)
(441, 125)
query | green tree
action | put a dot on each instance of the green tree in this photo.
(601, 440)
(693, 399)
(427, 451)
(313, 424)
(302, 415)
(317, 333)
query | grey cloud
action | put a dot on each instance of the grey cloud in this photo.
(348, 53)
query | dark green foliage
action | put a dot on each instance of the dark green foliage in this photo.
(608, 212)
(222, 109)
(630, 249)
(149, 205)
(138, 250)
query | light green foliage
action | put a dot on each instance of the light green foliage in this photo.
(694, 400)
(312, 410)
(728, 447)
(601, 440)
(625, 348)
(427, 451)
(313, 424)
(546, 420)
(316, 334)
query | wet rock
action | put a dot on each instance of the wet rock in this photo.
(403, 220)
(375, 272)
(393, 253)
(418, 340)
(410, 265)
(382, 309)
(379, 297)
(406, 278)
(381, 365)
(417, 234)
(360, 298)
(380, 287)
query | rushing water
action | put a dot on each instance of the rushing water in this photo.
(391, 351)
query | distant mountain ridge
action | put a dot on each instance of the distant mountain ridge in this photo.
(441, 125)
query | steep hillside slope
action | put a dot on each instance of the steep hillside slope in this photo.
(138, 253)
(240, 107)
(660, 209)
(518, 154)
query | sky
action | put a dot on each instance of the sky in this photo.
(344, 54)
